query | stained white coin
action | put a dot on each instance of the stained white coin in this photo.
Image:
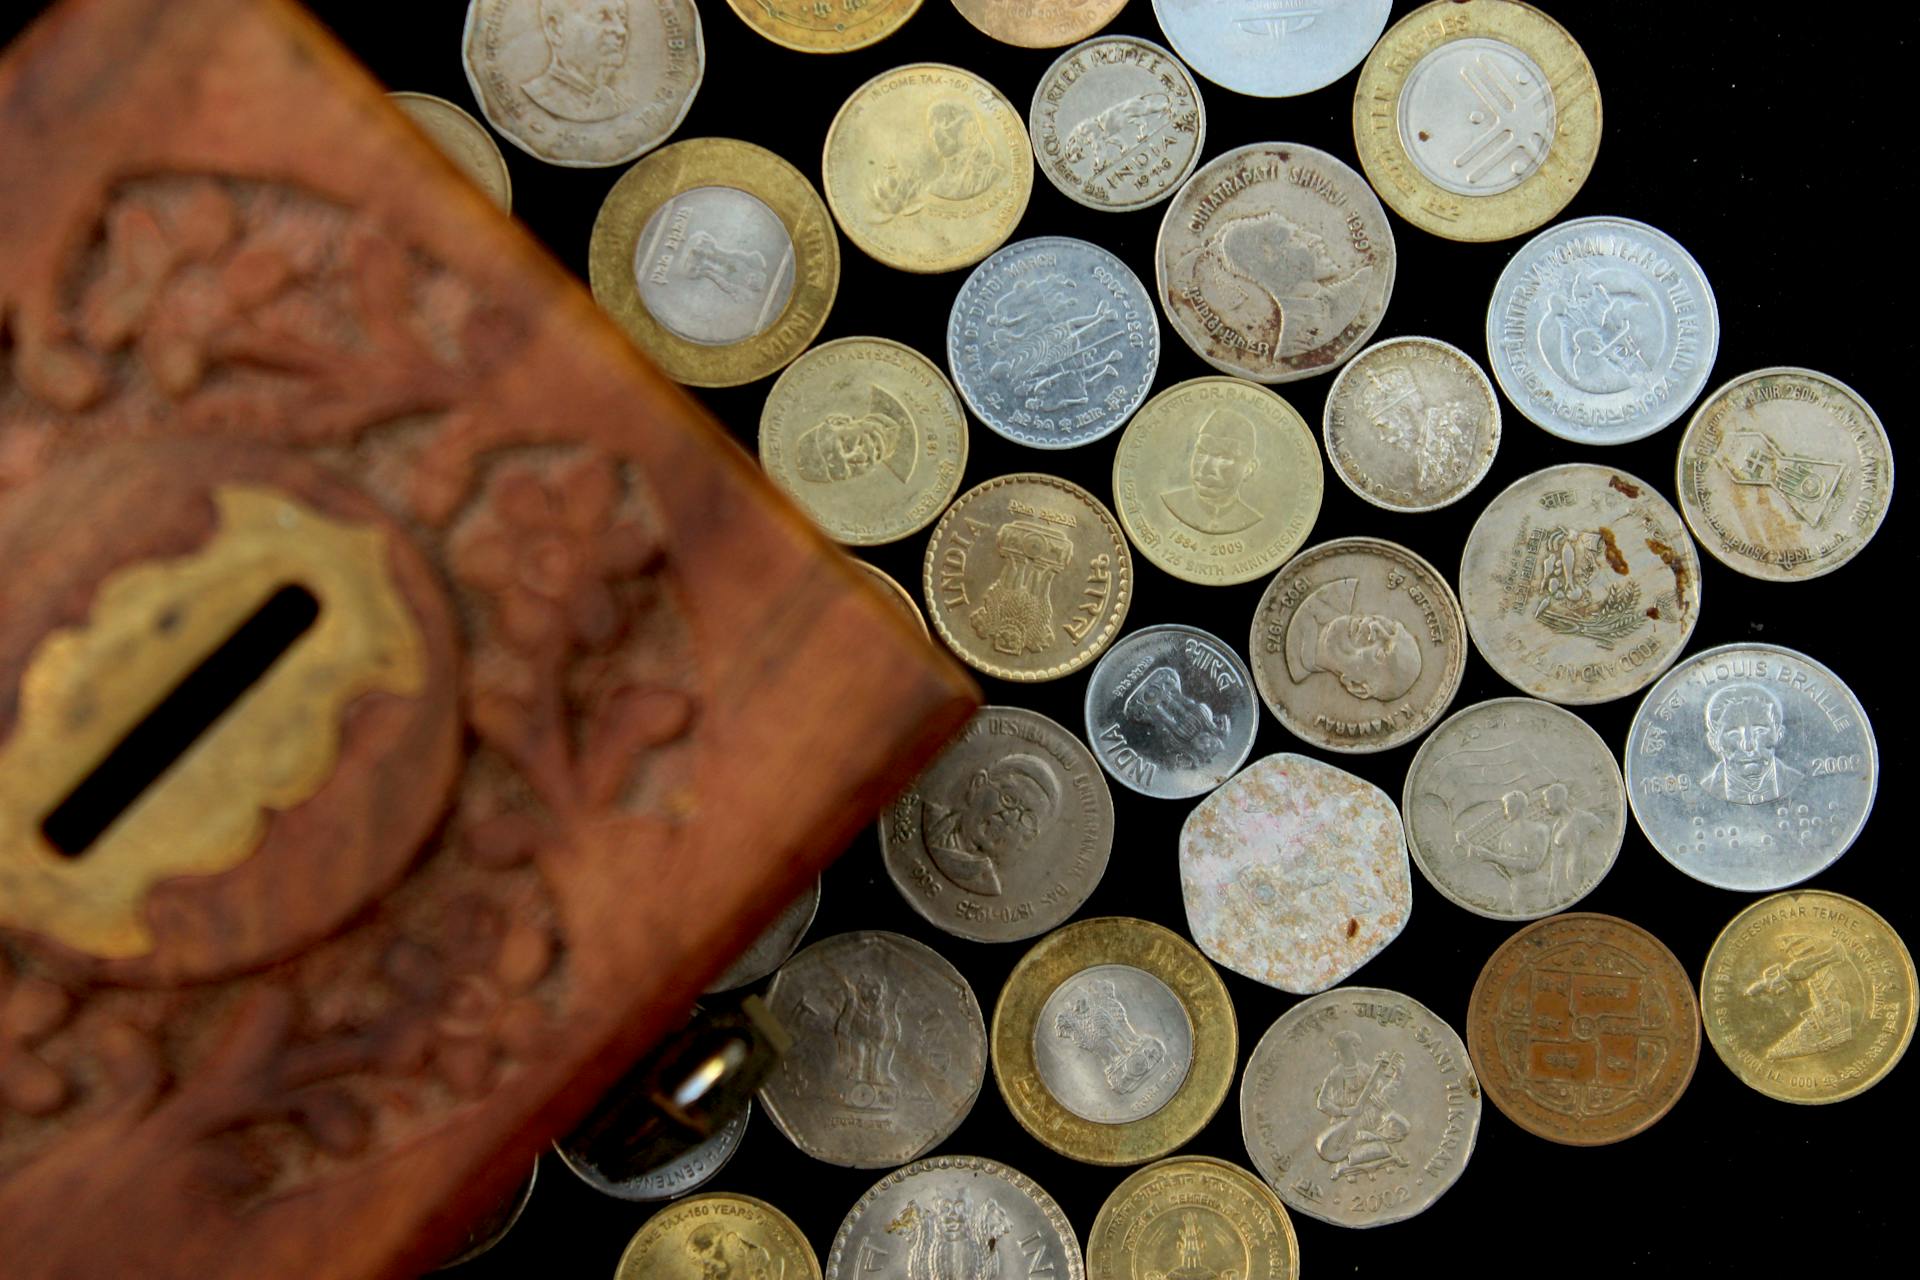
(1273, 48)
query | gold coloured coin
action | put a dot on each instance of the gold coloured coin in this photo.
(1217, 481)
(1114, 1041)
(690, 1240)
(1440, 151)
(717, 258)
(1028, 577)
(867, 436)
(1039, 24)
(1808, 997)
(461, 139)
(928, 168)
(896, 595)
(812, 27)
(1193, 1216)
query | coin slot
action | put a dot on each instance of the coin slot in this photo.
(181, 719)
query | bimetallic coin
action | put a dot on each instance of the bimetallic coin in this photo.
(1117, 123)
(1477, 121)
(1411, 424)
(1275, 262)
(461, 139)
(1295, 873)
(717, 258)
(1602, 330)
(1217, 481)
(1114, 1041)
(1808, 997)
(955, 1218)
(1514, 808)
(669, 1181)
(1584, 1029)
(1053, 342)
(1580, 584)
(773, 947)
(1171, 712)
(812, 27)
(491, 1229)
(584, 83)
(1358, 645)
(928, 168)
(1272, 48)
(1360, 1107)
(1006, 834)
(867, 436)
(1785, 474)
(896, 595)
(1193, 1216)
(720, 1233)
(889, 1050)
(1751, 767)
(1039, 24)
(1028, 577)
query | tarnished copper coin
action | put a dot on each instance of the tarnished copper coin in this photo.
(1584, 1029)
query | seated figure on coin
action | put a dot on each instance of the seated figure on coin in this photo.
(1355, 1096)
(1373, 656)
(1223, 460)
(586, 48)
(1745, 727)
(842, 447)
(999, 813)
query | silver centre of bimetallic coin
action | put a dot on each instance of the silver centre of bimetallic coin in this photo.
(669, 1181)
(1751, 767)
(715, 266)
(1273, 48)
(1113, 1044)
(1171, 711)
(954, 1218)
(1477, 116)
(1053, 342)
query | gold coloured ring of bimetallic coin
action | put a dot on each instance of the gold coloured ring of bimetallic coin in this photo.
(1569, 85)
(739, 166)
(1154, 950)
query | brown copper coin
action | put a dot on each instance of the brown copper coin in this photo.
(1584, 1029)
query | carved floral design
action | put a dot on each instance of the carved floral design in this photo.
(31, 1009)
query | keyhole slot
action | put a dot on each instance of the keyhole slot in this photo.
(169, 731)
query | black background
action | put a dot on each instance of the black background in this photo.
(1774, 141)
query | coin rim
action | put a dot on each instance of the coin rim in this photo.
(746, 16)
(641, 191)
(1242, 89)
(1121, 940)
(1256, 1187)
(1167, 628)
(486, 135)
(1641, 712)
(1049, 1207)
(1496, 1091)
(799, 937)
(1516, 211)
(614, 1190)
(1414, 728)
(773, 1216)
(513, 1220)
(1074, 193)
(1481, 380)
(1089, 650)
(1413, 769)
(885, 581)
(1690, 508)
(1105, 22)
(1861, 1086)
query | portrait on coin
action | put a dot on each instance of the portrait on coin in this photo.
(1279, 281)
(727, 1255)
(1224, 458)
(963, 161)
(1372, 656)
(1438, 439)
(1745, 727)
(991, 817)
(843, 447)
(586, 51)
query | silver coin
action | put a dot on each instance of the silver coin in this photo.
(1006, 834)
(1442, 116)
(1751, 767)
(1580, 584)
(1171, 711)
(957, 1217)
(1602, 330)
(584, 83)
(1113, 1044)
(490, 1230)
(770, 950)
(1117, 123)
(1514, 808)
(669, 1181)
(1360, 1107)
(889, 1050)
(1053, 342)
(1275, 262)
(1411, 424)
(684, 265)
(1272, 48)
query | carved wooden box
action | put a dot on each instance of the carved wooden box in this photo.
(566, 701)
